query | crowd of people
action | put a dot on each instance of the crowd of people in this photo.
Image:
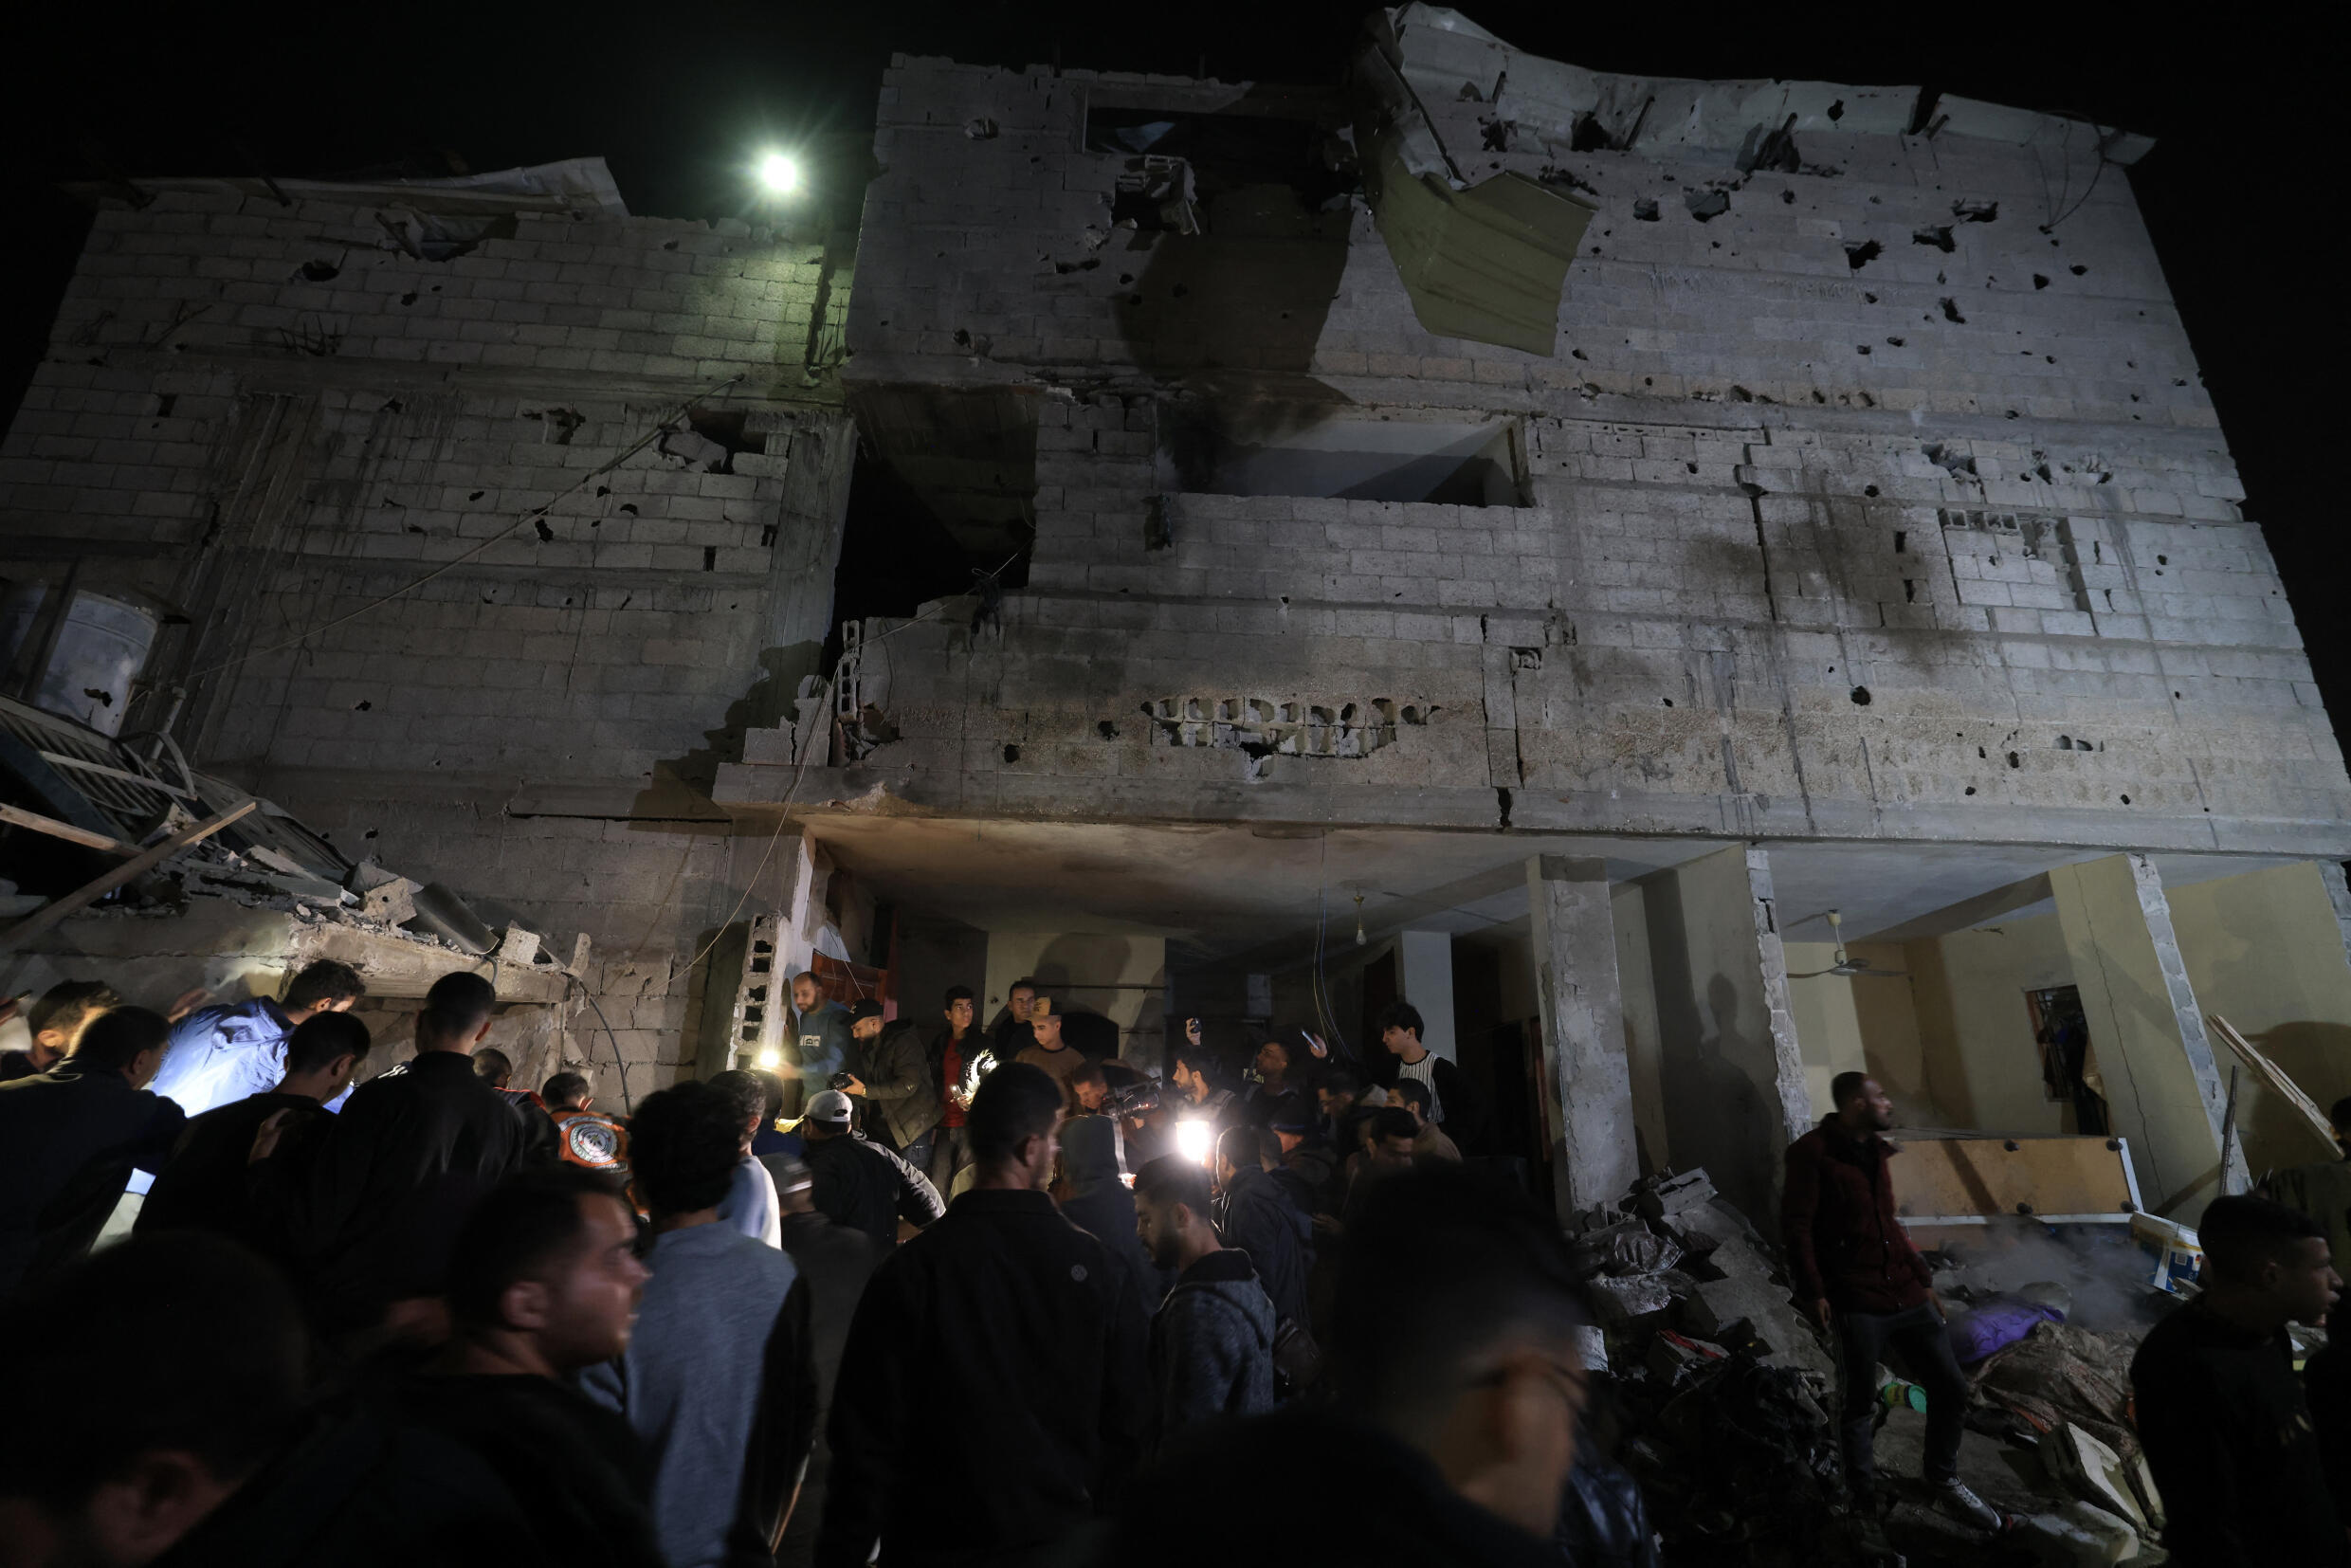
(938, 1295)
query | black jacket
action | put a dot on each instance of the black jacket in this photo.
(1098, 1203)
(68, 1141)
(1394, 1507)
(835, 1260)
(583, 1478)
(993, 1393)
(1256, 1215)
(862, 1185)
(395, 1178)
(205, 1184)
(902, 1089)
(356, 1491)
(2228, 1435)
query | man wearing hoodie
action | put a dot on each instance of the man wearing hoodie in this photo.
(1094, 1198)
(1212, 1344)
(1255, 1214)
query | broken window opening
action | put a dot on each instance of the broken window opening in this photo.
(1272, 451)
(75, 653)
(1189, 172)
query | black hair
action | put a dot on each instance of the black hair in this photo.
(1088, 1072)
(322, 980)
(124, 1380)
(492, 1063)
(771, 1087)
(2240, 1234)
(1238, 1147)
(1203, 1060)
(1442, 1265)
(683, 1145)
(116, 1036)
(1289, 1052)
(1393, 1121)
(1017, 1101)
(1402, 1015)
(1343, 1081)
(564, 1087)
(1411, 1089)
(1844, 1086)
(69, 1001)
(532, 1218)
(1172, 1178)
(455, 1007)
(2340, 1115)
(319, 1039)
(958, 993)
(1027, 982)
(746, 1092)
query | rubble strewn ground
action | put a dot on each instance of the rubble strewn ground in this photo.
(1720, 1397)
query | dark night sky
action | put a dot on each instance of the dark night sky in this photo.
(673, 98)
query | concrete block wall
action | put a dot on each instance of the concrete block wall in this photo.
(1877, 503)
(272, 418)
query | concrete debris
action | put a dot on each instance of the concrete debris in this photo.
(1631, 1302)
(2079, 1536)
(2093, 1471)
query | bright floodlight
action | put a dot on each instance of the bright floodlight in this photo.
(1194, 1141)
(779, 173)
(770, 1060)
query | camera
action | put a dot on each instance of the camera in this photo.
(841, 1080)
(1134, 1100)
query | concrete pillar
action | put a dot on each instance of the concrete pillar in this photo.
(1583, 1031)
(1425, 978)
(1732, 1072)
(2166, 1092)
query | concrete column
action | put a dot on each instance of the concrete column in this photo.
(1583, 1031)
(2166, 1093)
(1425, 978)
(1731, 1071)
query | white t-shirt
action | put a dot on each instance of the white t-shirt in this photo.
(1425, 1071)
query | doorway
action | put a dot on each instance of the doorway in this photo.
(2068, 1065)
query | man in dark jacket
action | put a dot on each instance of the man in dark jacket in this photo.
(1212, 1342)
(1254, 1212)
(891, 1072)
(960, 1057)
(996, 1370)
(403, 1166)
(1094, 1199)
(55, 1022)
(2240, 1463)
(835, 1262)
(1858, 1274)
(206, 1182)
(860, 1183)
(69, 1136)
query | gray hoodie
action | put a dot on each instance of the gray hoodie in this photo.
(1212, 1345)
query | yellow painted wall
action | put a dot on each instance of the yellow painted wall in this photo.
(1828, 1025)
(1985, 1066)
(2265, 952)
(1885, 1009)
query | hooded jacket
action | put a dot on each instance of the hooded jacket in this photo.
(1099, 1204)
(1258, 1215)
(1837, 1222)
(901, 1088)
(1212, 1345)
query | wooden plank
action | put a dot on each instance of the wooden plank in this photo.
(15, 818)
(1990, 1176)
(2274, 1078)
(89, 893)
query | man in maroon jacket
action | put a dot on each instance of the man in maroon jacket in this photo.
(1856, 1271)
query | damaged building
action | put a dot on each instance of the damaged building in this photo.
(1699, 586)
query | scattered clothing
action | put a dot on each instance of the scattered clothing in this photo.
(865, 1186)
(996, 1369)
(2230, 1437)
(2059, 1373)
(749, 1205)
(1996, 1324)
(207, 1182)
(1212, 1344)
(68, 1140)
(578, 1471)
(718, 1385)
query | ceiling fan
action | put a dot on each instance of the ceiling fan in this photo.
(1849, 967)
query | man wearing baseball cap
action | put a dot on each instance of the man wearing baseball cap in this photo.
(859, 1183)
(890, 1071)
